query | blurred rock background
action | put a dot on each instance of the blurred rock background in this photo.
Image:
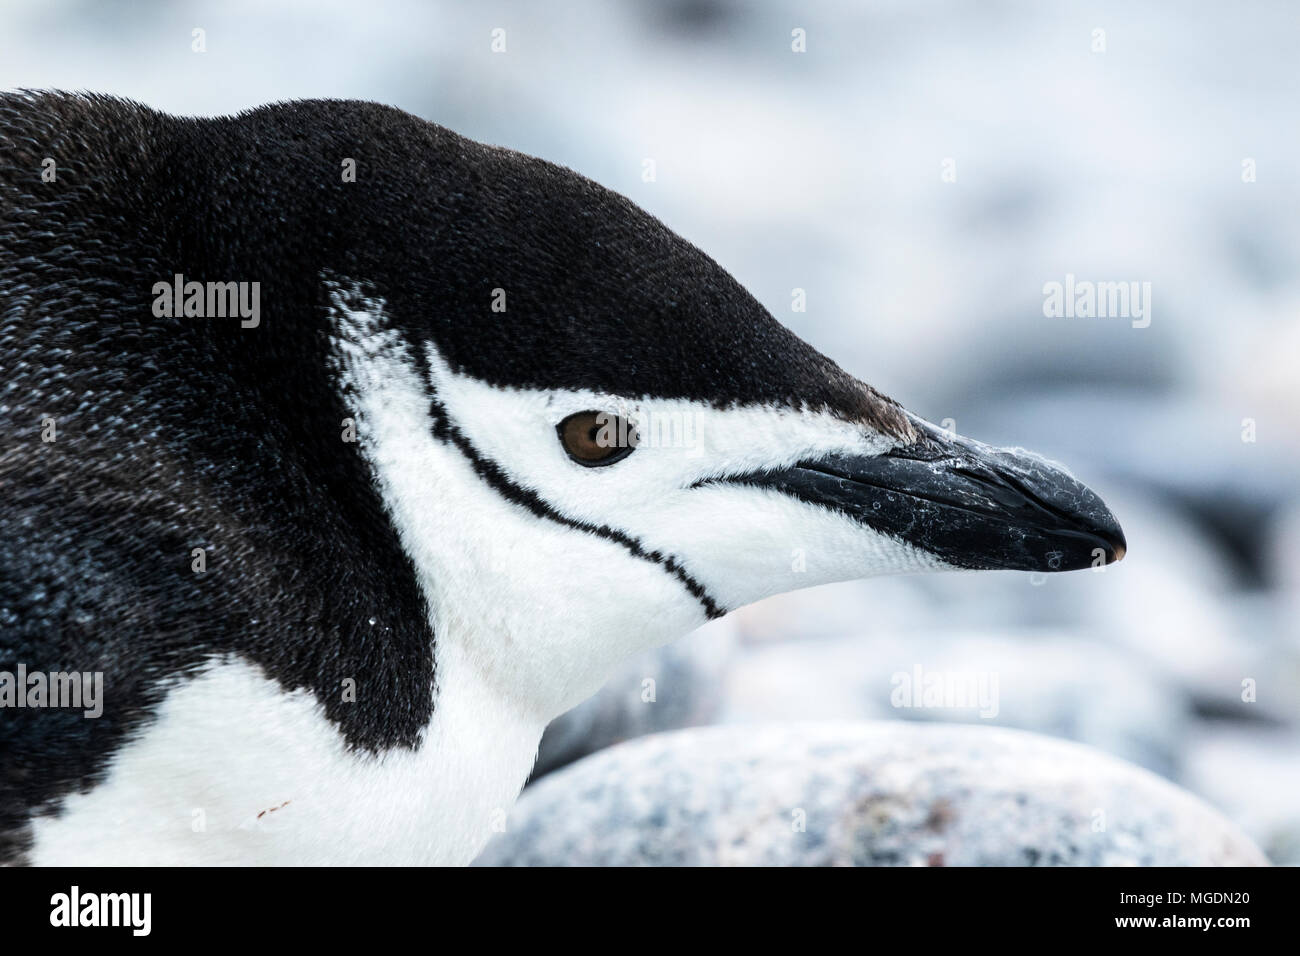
(824, 171)
(857, 793)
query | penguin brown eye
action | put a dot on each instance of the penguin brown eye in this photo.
(597, 438)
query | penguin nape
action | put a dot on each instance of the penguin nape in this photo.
(494, 430)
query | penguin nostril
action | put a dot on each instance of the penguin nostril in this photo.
(597, 438)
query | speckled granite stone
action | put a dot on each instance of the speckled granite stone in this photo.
(861, 794)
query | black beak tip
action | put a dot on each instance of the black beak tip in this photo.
(1114, 543)
(1094, 540)
(1118, 546)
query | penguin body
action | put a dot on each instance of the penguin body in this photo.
(340, 566)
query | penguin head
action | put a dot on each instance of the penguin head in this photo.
(586, 435)
(576, 416)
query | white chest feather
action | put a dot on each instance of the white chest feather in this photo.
(235, 771)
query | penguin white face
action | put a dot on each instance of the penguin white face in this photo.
(530, 305)
(576, 527)
(660, 472)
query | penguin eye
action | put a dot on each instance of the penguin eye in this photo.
(597, 438)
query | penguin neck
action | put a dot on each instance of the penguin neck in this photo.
(476, 756)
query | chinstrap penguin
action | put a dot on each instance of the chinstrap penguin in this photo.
(341, 566)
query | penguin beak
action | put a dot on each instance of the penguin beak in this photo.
(971, 505)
